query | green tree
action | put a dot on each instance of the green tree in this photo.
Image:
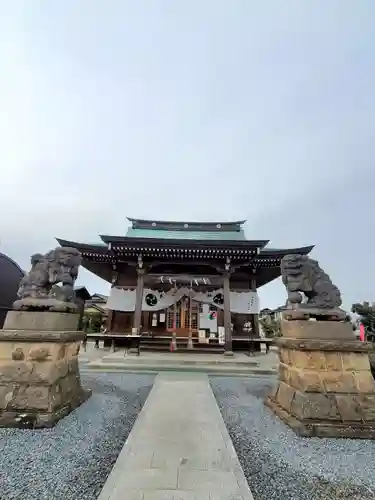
(348, 319)
(367, 318)
(270, 326)
(93, 322)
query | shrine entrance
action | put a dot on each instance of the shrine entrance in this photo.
(183, 316)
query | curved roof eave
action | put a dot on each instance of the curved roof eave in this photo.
(268, 252)
(97, 247)
(103, 247)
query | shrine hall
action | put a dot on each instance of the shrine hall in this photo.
(191, 279)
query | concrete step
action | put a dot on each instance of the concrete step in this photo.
(184, 349)
(135, 360)
(149, 368)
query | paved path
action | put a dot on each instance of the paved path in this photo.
(179, 448)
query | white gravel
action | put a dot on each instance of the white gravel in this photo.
(72, 460)
(282, 466)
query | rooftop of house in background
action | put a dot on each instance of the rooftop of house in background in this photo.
(96, 304)
(99, 298)
(82, 293)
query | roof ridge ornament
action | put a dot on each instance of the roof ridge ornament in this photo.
(186, 225)
(230, 222)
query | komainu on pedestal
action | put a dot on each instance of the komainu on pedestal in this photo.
(39, 345)
(38, 288)
(304, 279)
(325, 385)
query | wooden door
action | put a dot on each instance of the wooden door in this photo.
(180, 313)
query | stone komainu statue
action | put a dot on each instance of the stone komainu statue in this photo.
(309, 287)
(37, 289)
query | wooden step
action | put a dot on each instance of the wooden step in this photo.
(184, 349)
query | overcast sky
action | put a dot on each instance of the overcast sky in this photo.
(191, 110)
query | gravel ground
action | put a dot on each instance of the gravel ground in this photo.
(72, 460)
(282, 466)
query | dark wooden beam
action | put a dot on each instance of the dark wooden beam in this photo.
(227, 314)
(139, 299)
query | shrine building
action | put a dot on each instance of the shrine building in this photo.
(187, 278)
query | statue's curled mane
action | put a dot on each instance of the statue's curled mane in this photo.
(307, 284)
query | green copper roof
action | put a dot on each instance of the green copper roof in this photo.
(187, 235)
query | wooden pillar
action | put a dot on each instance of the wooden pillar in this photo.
(145, 321)
(139, 299)
(81, 311)
(253, 287)
(111, 312)
(190, 338)
(110, 320)
(227, 314)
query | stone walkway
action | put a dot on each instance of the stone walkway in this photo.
(179, 448)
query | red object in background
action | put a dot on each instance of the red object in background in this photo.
(361, 333)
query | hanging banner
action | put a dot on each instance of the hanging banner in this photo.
(221, 332)
(121, 299)
(361, 333)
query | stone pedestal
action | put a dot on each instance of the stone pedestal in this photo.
(325, 387)
(39, 374)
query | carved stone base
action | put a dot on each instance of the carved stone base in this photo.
(318, 330)
(299, 312)
(41, 321)
(325, 387)
(39, 374)
(304, 428)
(47, 304)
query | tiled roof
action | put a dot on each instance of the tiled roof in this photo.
(138, 223)
(187, 235)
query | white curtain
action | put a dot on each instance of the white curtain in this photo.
(121, 299)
